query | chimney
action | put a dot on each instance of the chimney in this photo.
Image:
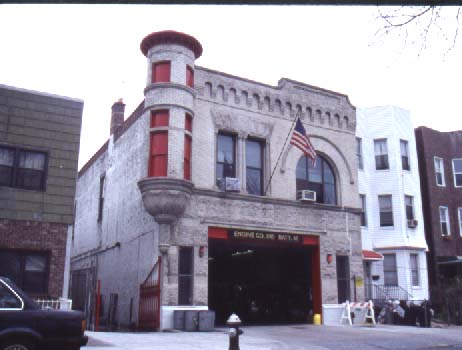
(117, 116)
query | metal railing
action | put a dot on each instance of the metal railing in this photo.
(382, 293)
(57, 304)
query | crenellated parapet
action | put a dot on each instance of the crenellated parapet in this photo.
(316, 106)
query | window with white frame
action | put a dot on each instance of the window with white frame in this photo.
(318, 177)
(359, 152)
(404, 147)
(381, 154)
(390, 270)
(363, 214)
(457, 170)
(444, 221)
(22, 168)
(414, 269)
(386, 210)
(439, 171)
(409, 201)
(459, 210)
(254, 166)
(226, 158)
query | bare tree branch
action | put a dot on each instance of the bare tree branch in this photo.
(457, 29)
(419, 24)
(406, 18)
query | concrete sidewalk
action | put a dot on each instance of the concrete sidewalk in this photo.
(295, 337)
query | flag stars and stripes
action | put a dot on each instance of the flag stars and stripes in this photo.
(302, 142)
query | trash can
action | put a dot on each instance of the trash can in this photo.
(206, 320)
(178, 320)
(425, 315)
(191, 320)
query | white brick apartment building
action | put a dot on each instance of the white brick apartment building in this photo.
(157, 188)
(389, 188)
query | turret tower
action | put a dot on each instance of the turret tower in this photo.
(169, 106)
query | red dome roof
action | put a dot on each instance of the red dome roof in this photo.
(171, 37)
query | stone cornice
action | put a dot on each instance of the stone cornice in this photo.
(171, 37)
(271, 200)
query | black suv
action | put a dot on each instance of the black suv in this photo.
(26, 326)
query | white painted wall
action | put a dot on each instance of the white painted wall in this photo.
(394, 124)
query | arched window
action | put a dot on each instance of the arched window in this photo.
(319, 178)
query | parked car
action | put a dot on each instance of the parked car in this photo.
(24, 325)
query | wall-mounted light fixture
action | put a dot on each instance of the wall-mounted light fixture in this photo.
(329, 258)
(201, 251)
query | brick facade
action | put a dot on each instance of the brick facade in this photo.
(447, 146)
(39, 237)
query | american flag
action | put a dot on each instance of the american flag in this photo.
(302, 142)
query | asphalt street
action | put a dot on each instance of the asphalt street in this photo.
(295, 337)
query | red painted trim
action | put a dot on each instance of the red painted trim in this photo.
(316, 280)
(161, 72)
(171, 37)
(158, 158)
(98, 303)
(188, 122)
(310, 240)
(189, 77)
(371, 255)
(218, 233)
(187, 157)
(159, 118)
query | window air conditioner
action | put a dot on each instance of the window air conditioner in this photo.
(412, 223)
(306, 196)
(232, 184)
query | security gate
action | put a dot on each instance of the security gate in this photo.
(149, 312)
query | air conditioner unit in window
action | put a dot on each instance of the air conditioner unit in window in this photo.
(412, 223)
(306, 196)
(232, 184)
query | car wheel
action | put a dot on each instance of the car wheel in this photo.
(17, 344)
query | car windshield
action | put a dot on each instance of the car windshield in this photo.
(7, 298)
(26, 299)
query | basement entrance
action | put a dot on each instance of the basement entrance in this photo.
(263, 277)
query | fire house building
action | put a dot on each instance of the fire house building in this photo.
(180, 198)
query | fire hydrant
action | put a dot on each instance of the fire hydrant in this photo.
(234, 332)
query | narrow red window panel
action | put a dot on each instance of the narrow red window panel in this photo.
(161, 72)
(159, 118)
(188, 122)
(189, 76)
(218, 232)
(187, 157)
(310, 240)
(159, 154)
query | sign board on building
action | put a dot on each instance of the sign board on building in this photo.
(265, 236)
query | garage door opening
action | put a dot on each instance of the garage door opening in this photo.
(264, 282)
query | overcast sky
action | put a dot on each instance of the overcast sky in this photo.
(91, 52)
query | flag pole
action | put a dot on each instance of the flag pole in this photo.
(280, 154)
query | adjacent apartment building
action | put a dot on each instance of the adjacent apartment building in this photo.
(392, 225)
(39, 147)
(440, 162)
(177, 209)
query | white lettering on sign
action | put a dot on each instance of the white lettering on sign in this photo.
(284, 237)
